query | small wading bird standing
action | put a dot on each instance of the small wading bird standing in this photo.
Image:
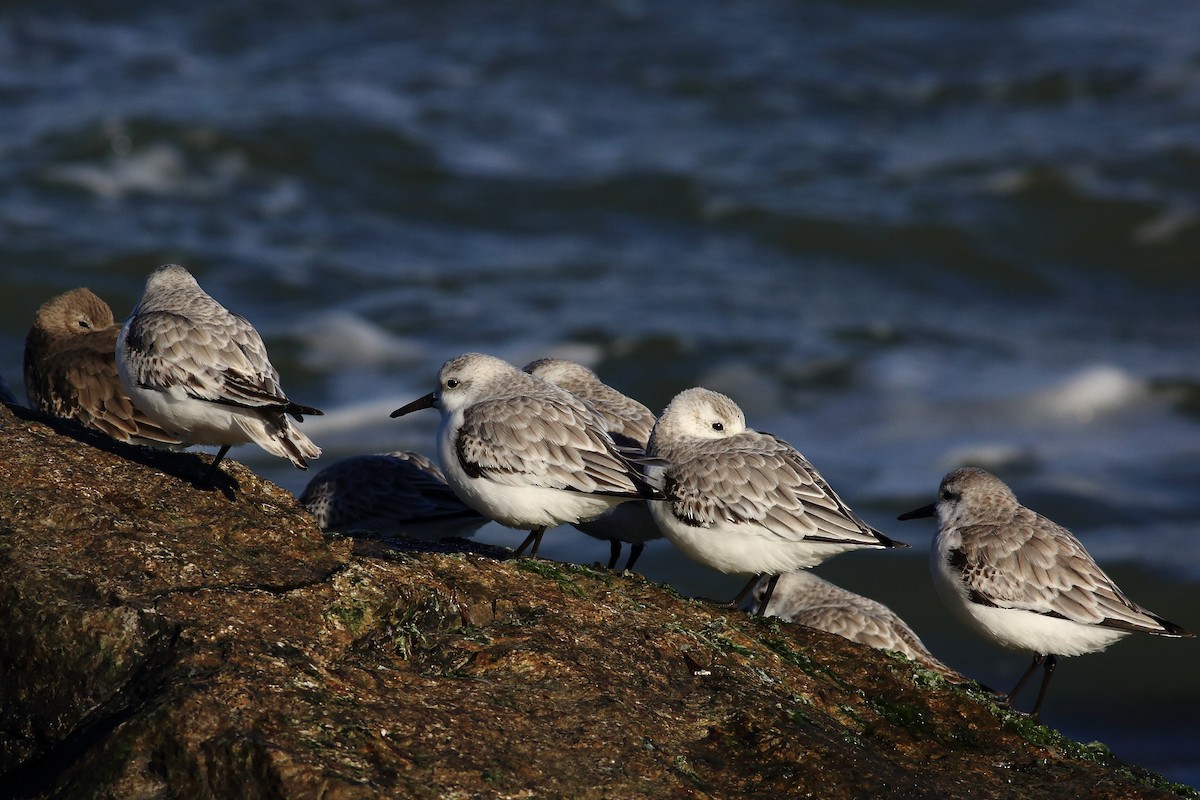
(744, 502)
(202, 373)
(628, 422)
(1023, 581)
(522, 451)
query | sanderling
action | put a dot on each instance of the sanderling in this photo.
(400, 492)
(744, 502)
(71, 369)
(807, 599)
(628, 422)
(202, 372)
(522, 451)
(1023, 581)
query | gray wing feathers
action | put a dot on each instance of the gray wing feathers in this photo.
(223, 360)
(397, 488)
(1039, 566)
(623, 416)
(758, 478)
(545, 441)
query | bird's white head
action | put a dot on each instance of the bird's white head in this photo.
(697, 414)
(970, 495)
(566, 374)
(170, 276)
(461, 381)
(464, 379)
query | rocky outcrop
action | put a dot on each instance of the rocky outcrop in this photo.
(164, 640)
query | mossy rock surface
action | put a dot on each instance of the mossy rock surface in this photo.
(163, 640)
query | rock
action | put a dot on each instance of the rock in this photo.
(163, 640)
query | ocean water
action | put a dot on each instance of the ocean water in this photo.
(903, 236)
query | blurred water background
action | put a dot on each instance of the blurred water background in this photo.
(903, 236)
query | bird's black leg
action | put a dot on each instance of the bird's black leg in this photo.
(212, 468)
(635, 551)
(1051, 663)
(1037, 662)
(742, 594)
(614, 553)
(766, 598)
(534, 538)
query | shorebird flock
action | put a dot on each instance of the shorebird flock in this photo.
(551, 444)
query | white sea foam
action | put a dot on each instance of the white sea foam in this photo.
(156, 169)
(1090, 393)
(340, 340)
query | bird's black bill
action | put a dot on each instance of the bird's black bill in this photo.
(917, 513)
(428, 401)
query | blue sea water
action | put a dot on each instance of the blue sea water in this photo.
(903, 236)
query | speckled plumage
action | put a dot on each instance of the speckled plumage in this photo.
(744, 502)
(203, 373)
(398, 492)
(629, 423)
(1023, 581)
(522, 451)
(807, 599)
(71, 371)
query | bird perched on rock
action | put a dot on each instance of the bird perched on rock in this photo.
(744, 502)
(1023, 581)
(202, 372)
(806, 599)
(522, 451)
(628, 422)
(399, 492)
(71, 370)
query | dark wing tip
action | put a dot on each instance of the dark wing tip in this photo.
(1171, 629)
(298, 411)
(888, 541)
(649, 492)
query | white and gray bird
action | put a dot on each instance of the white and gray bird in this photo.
(629, 423)
(202, 372)
(807, 599)
(71, 370)
(398, 492)
(523, 452)
(744, 502)
(1023, 581)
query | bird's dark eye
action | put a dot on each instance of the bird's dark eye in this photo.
(83, 323)
(452, 383)
(947, 495)
(718, 426)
